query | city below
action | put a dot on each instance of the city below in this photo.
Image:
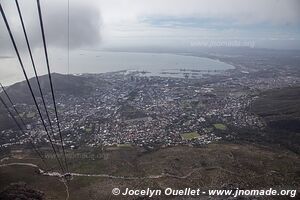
(127, 108)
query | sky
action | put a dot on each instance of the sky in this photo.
(100, 24)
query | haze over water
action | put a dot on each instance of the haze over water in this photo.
(157, 64)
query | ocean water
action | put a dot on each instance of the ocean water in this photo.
(151, 64)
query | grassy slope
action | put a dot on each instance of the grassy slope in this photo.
(279, 104)
(280, 108)
(213, 166)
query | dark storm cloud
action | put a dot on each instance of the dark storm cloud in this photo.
(85, 23)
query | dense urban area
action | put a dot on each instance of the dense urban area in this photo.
(132, 108)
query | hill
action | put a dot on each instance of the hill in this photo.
(63, 85)
(280, 109)
(66, 84)
(213, 166)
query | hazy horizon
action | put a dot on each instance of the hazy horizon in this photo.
(152, 26)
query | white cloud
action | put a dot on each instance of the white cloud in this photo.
(242, 11)
(124, 24)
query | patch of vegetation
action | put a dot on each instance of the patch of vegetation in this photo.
(124, 145)
(88, 130)
(221, 127)
(190, 136)
(30, 115)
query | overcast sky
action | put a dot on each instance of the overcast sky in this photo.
(96, 24)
